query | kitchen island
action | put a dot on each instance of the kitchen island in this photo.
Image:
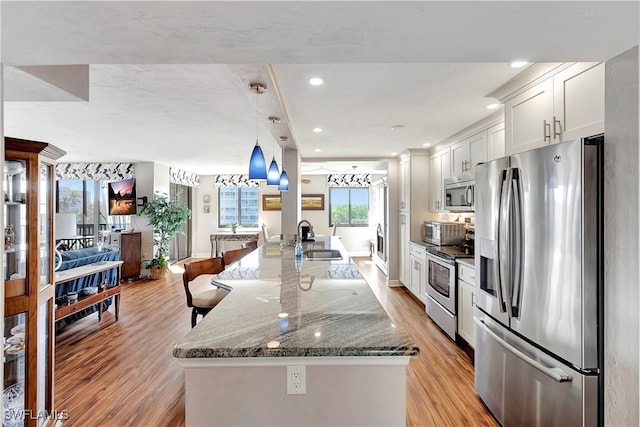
(319, 317)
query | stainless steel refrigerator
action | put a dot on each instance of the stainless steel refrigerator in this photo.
(539, 331)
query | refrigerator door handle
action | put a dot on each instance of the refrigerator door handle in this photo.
(505, 240)
(518, 243)
(497, 261)
(553, 372)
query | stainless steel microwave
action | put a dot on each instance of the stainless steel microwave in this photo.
(459, 193)
(443, 233)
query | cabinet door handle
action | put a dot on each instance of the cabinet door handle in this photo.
(546, 127)
(473, 299)
(556, 133)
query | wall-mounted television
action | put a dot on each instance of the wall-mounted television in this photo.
(122, 197)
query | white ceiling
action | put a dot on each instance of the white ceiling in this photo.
(168, 81)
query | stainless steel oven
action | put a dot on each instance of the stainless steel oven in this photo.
(441, 293)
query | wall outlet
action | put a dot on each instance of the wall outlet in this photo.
(296, 380)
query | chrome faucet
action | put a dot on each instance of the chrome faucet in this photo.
(311, 234)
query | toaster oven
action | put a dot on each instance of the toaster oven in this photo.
(443, 233)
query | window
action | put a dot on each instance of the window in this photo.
(238, 205)
(349, 206)
(82, 198)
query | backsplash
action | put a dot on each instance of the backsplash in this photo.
(450, 217)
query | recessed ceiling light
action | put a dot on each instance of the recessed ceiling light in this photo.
(518, 64)
(394, 153)
(316, 81)
(492, 106)
(317, 130)
(426, 144)
(396, 127)
(317, 150)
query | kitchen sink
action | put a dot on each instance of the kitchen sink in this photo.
(322, 254)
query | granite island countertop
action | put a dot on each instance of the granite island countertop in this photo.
(280, 307)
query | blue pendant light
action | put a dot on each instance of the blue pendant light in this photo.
(284, 178)
(273, 177)
(284, 181)
(257, 164)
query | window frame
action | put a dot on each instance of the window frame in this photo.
(239, 206)
(350, 224)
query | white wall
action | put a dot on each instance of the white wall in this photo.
(150, 177)
(622, 184)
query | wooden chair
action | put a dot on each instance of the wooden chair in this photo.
(234, 255)
(252, 244)
(202, 296)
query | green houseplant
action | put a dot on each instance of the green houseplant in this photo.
(166, 216)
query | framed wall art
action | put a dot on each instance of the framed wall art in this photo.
(271, 202)
(312, 202)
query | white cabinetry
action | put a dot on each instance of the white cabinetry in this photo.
(495, 142)
(418, 271)
(466, 302)
(578, 101)
(413, 176)
(439, 170)
(403, 247)
(414, 173)
(566, 106)
(466, 154)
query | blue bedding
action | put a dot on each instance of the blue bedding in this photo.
(76, 258)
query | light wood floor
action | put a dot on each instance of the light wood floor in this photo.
(122, 373)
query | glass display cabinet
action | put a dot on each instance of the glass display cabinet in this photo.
(28, 282)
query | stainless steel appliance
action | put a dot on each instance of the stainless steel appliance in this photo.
(441, 284)
(443, 233)
(459, 193)
(538, 248)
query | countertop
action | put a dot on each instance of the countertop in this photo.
(277, 308)
(471, 262)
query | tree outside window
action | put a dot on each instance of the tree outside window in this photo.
(349, 206)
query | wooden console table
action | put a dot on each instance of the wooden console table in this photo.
(240, 236)
(89, 300)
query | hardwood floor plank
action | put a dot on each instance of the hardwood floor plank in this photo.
(123, 373)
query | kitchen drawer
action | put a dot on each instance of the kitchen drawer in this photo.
(417, 251)
(466, 273)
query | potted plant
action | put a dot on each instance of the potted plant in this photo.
(233, 227)
(166, 216)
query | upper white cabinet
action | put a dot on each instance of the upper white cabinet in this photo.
(439, 170)
(568, 105)
(414, 172)
(495, 142)
(466, 154)
(528, 118)
(578, 101)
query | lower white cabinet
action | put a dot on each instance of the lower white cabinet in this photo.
(466, 303)
(418, 271)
